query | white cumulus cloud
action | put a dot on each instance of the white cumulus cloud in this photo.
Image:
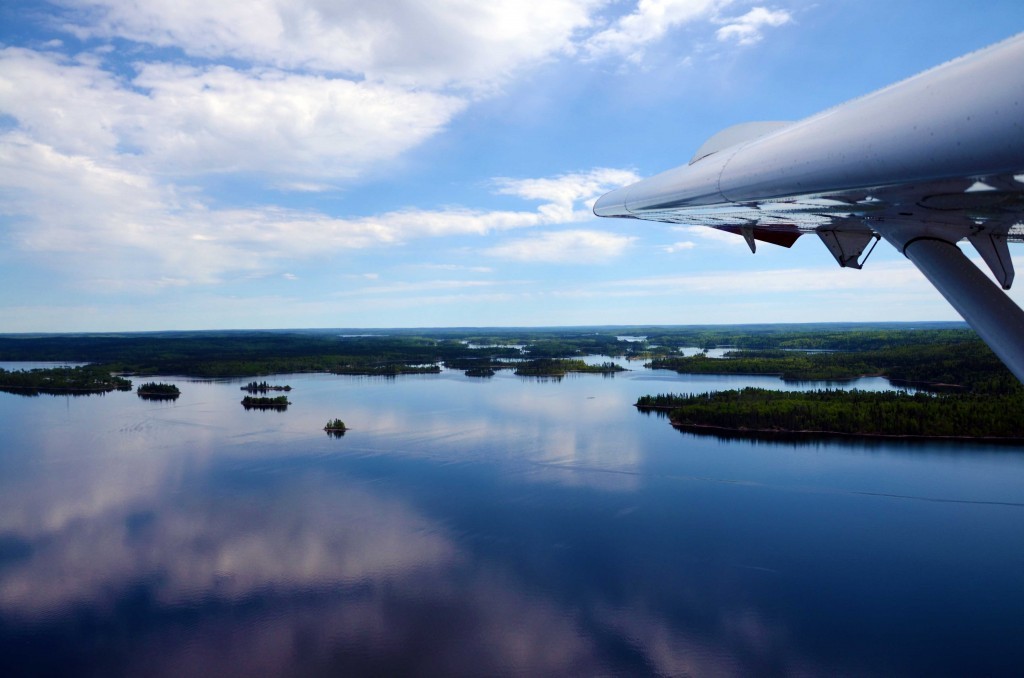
(463, 43)
(649, 22)
(114, 228)
(747, 29)
(187, 120)
(564, 247)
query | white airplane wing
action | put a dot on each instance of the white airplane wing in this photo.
(925, 163)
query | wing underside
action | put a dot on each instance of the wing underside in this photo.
(987, 211)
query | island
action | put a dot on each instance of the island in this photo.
(265, 403)
(550, 367)
(263, 387)
(393, 369)
(158, 391)
(756, 412)
(336, 427)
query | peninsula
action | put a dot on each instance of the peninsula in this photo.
(764, 413)
(62, 380)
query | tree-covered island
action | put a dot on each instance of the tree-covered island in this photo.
(158, 391)
(761, 412)
(265, 403)
(335, 425)
(264, 387)
(551, 367)
(62, 380)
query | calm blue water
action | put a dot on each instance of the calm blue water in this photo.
(503, 526)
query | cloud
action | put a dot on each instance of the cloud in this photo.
(456, 267)
(408, 43)
(629, 35)
(110, 158)
(114, 229)
(186, 120)
(713, 236)
(304, 187)
(269, 121)
(564, 247)
(302, 92)
(420, 286)
(649, 22)
(746, 30)
(680, 246)
(561, 193)
(897, 275)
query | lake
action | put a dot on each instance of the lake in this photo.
(502, 526)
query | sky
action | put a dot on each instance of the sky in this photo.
(188, 164)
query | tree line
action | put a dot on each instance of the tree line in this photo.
(891, 413)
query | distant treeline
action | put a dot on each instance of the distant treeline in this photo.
(940, 362)
(941, 355)
(888, 413)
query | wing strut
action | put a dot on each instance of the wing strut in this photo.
(986, 308)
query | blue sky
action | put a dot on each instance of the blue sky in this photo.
(187, 164)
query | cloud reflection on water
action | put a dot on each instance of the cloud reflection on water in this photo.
(225, 543)
(506, 528)
(252, 565)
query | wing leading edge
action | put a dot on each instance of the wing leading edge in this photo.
(925, 163)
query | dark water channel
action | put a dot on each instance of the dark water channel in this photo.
(504, 526)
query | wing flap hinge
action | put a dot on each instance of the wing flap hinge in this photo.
(847, 246)
(993, 249)
(748, 235)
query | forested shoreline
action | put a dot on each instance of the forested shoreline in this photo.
(936, 355)
(835, 412)
(942, 358)
(60, 380)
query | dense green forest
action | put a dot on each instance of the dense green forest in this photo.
(935, 353)
(552, 367)
(888, 413)
(158, 391)
(60, 380)
(979, 395)
(264, 402)
(956, 362)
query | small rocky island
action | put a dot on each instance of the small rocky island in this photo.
(158, 391)
(265, 403)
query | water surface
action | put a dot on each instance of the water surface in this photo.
(507, 525)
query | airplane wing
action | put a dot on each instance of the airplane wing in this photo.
(925, 163)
